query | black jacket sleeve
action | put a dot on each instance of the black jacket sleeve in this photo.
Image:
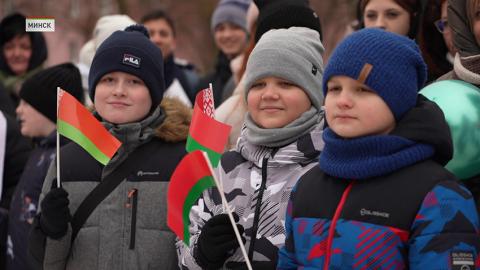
(17, 151)
(36, 245)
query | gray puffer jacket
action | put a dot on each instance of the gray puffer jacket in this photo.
(128, 229)
(255, 177)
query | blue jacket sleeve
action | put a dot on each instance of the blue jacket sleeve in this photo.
(286, 254)
(445, 233)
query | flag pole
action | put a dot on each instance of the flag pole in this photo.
(58, 142)
(229, 212)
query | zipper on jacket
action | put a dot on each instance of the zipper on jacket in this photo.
(331, 230)
(132, 204)
(258, 206)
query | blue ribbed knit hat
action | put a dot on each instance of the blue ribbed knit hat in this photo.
(130, 51)
(388, 63)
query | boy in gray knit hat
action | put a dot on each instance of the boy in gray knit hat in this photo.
(281, 140)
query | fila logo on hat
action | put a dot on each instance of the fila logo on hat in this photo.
(131, 60)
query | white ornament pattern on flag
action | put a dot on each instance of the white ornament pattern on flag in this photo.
(208, 103)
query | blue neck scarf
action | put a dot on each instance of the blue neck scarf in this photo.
(369, 156)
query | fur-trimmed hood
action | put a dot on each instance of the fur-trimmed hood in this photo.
(177, 121)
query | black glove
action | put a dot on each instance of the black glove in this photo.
(266, 265)
(216, 241)
(55, 213)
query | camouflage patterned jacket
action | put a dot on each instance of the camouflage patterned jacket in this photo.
(255, 179)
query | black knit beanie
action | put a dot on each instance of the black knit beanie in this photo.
(132, 52)
(278, 14)
(40, 90)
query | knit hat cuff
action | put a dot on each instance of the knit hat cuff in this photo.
(299, 71)
(103, 64)
(40, 90)
(229, 13)
(37, 103)
(398, 102)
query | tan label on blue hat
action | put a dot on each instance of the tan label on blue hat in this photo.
(362, 77)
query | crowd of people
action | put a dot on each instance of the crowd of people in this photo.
(341, 165)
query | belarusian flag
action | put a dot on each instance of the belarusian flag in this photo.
(76, 123)
(206, 133)
(191, 177)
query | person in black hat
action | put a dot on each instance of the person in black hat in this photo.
(37, 114)
(127, 228)
(280, 14)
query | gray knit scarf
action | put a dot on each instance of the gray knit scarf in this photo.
(277, 137)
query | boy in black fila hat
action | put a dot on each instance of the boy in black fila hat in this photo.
(37, 113)
(126, 228)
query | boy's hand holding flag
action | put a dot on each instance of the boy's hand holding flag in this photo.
(192, 176)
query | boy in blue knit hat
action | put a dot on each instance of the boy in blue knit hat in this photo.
(380, 198)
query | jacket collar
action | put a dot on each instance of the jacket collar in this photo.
(303, 150)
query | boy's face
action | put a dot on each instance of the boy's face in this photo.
(353, 109)
(32, 122)
(162, 35)
(274, 103)
(230, 39)
(17, 53)
(122, 98)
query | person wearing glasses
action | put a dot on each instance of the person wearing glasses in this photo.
(434, 39)
(443, 27)
(463, 26)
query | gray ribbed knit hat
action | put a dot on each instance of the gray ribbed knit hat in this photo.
(233, 11)
(293, 54)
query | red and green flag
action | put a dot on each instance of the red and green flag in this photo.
(191, 177)
(206, 133)
(75, 122)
